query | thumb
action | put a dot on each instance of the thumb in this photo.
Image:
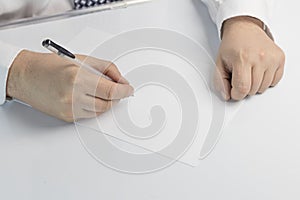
(222, 79)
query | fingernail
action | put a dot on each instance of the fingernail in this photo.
(131, 94)
(225, 97)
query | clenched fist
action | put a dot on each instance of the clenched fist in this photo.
(249, 62)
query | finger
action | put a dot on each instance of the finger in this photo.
(267, 81)
(107, 68)
(93, 85)
(87, 107)
(97, 105)
(109, 90)
(113, 72)
(222, 80)
(278, 75)
(257, 79)
(241, 81)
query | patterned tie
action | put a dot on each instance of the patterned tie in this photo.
(80, 4)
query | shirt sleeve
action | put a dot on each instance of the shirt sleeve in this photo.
(221, 10)
(7, 56)
(17, 9)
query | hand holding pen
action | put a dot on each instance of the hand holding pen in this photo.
(68, 86)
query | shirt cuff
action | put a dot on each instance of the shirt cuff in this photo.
(7, 56)
(259, 9)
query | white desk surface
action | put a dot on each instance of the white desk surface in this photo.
(256, 158)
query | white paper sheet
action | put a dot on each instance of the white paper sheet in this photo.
(151, 95)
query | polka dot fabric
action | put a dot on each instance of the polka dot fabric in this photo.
(80, 4)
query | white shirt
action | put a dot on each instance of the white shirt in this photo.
(220, 10)
(27, 8)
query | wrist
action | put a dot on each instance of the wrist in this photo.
(240, 22)
(17, 74)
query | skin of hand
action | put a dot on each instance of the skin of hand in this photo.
(248, 62)
(59, 88)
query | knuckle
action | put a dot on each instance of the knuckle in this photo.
(243, 88)
(72, 74)
(275, 83)
(282, 56)
(252, 92)
(262, 55)
(110, 90)
(110, 65)
(105, 106)
(280, 76)
(265, 57)
(243, 55)
(278, 55)
(98, 106)
(261, 91)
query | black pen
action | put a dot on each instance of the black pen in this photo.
(64, 53)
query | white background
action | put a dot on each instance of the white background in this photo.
(257, 157)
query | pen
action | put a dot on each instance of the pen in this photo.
(64, 53)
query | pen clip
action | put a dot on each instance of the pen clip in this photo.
(55, 48)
